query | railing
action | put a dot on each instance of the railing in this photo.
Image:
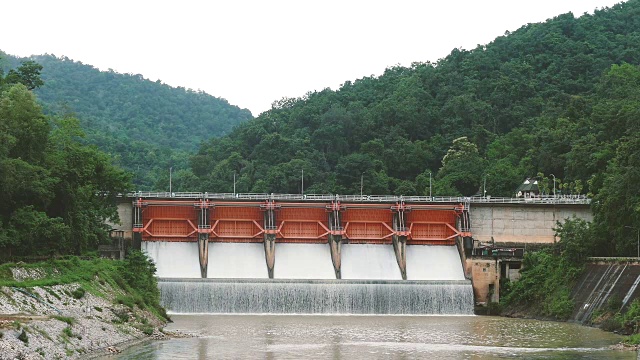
(560, 199)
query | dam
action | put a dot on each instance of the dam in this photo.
(285, 254)
(331, 252)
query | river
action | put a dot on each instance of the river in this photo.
(377, 337)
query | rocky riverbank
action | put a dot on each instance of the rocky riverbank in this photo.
(72, 320)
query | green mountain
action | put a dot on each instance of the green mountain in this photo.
(147, 126)
(557, 100)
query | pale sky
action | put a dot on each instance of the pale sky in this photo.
(255, 52)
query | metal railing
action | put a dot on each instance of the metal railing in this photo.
(561, 199)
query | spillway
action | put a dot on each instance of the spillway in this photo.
(236, 261)
(303, 261)
(304, 279)
(431, 262)
(369, 261)
(316, 296)
(174, 259)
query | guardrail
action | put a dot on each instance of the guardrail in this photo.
(564, 199)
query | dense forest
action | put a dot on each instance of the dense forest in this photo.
(554, 100)
(146, 126)
(558, 101)
(57, 192)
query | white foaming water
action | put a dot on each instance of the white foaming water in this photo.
(174, 259)
(303, 261)
(237, 260)
(370, 261)
(428, 262)
(273, 296)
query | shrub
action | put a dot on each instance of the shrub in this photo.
(23, 337)
(78, 293)
(66, 319)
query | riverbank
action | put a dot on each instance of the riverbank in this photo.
(74, 308)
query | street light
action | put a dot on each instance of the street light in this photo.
(429, 185)
(484, 192)
(170, 192)
(638, 230)
(554, 185)
(361, 183)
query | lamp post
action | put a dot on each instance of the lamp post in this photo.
(361, 184)
(638, 230)
(484, 192)
(430, 185)
(170, 192)
(234, 183)
(554, 185)
(302, 185)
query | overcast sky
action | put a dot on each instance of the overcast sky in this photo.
(255, 52)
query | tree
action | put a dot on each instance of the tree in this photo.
(462, 169)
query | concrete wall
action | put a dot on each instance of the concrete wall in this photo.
(125, 212)
(603, 284)
(521, 223)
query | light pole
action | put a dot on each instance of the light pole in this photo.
(429, 185)
(234, 183)
(170, 192)
(302, 185)
(484, 192)
(554, 185)
(361, 184)
(638, 230)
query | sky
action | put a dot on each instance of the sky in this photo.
(254, 52)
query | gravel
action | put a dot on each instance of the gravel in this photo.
(98, 325)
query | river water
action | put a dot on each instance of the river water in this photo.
(377, 337)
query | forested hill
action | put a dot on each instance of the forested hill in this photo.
(517, 99)
(147, 126)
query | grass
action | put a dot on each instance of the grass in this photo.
(66, 319)
(132, 278)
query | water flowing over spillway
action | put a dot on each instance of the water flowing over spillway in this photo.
(369, 261)
(428, 262)
(174, 259)
(303, 261)
(235, 261)
(316, 296)
(304, 279)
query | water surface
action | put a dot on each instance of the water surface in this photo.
(377, 337)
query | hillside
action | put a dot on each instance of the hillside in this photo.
(147, 126)
(556, 100)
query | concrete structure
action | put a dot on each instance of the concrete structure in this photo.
(522, 223)
(337, 219)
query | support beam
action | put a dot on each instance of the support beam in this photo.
(204, 227)
(203, 254)
(400, 237)
(336, 231)
(270, 231)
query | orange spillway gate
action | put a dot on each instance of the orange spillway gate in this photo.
(298, 222)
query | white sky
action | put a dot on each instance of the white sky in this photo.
(255, 52)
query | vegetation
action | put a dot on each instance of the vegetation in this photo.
(548, 275)
(145, 126)
(134, 277)
(557, 101)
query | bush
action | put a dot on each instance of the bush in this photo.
(66, 319)
(78, 293)
(24, 337)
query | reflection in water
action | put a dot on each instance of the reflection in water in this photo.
(377, 337)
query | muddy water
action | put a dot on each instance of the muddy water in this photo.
(377, 337)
